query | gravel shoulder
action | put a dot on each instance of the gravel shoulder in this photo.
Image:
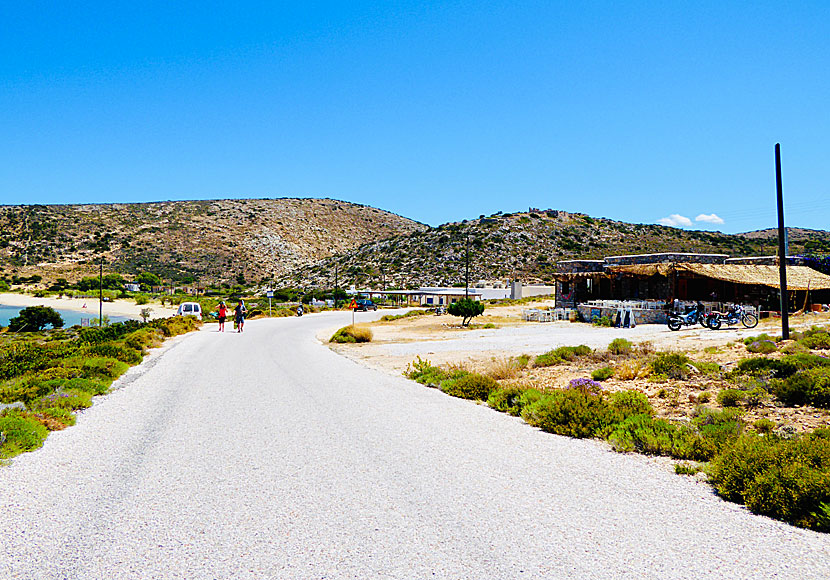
(267, 455)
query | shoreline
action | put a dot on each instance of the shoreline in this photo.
(124, 308)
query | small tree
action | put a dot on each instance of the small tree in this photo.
(145, 313)
(467, 309)
(33, 318)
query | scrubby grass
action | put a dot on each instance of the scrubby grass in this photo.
(351, 333)
(561, 355)
(409, 314)
(23, 433)
(602, 374)
(620, 346)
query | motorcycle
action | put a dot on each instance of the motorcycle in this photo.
(694, 316)
(733, 316)
(300, 310)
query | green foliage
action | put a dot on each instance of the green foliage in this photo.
(424, 372)
(34, 318)
(602, 321)
(762, 347)
(23, 433)
(23, 389)
(128, 355)
(470, 386)
(466, 309)
(602, 374)
(64, 416)
(70, 400)
(512, 400)
(620, 346)
(810, 386)
(103, 368)
(646, 434)
(785, 479)
(572, 412)
(817, 340)
(409, 314)
(764, 426)
(730, 397)
(670, 364)
(760, 338)
(707, 368)
(561, 355)
(687, 468)
(704, 397)
(349, 334)
(631, 402)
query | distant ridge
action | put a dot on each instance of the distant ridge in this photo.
(204, 242)
(526, 246)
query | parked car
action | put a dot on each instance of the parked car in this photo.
(190, 309)
(364, 305)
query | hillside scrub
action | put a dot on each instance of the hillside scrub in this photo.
(54, 373)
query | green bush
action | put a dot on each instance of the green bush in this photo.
(602, 321)
(631, 402)
(811, 386)
(471, 386)
(716, 428)
(687, 468)
(34, 318)
(409, 314)
(620, 346)
(764, 426)
(760, 338)
(23, 433)
(560, 355)
(817, 340)
(645, 434)
(24, 389)
(730, 397)
(103, 368)
(352, 333)
(424, 372)
(707, 368)
(571, 412)
(783, 367)
(785, 479)
(107, 349)
(60, 414)
(512, 400)
(670, 364)
(762, 347)
(69, 400)
(602, 374)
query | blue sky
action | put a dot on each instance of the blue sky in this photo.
(439, 111)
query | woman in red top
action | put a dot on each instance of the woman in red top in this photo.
(222, 314)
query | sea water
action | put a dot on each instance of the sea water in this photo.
(70, 317)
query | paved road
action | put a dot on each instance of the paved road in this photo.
(265, 455)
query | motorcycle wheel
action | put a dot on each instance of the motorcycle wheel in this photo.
(674, 324)
(713, 323)
(749, 320)
(702, 321)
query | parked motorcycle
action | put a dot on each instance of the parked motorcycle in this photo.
(735, 314)
(300, 310)
(694, 316)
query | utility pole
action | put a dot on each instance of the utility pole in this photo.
(782, 247)
(335, 284)
(101, 295)
(467, 265)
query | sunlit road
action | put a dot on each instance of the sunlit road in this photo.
(265, 455)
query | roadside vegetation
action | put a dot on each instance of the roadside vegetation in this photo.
(46, 376)
(741, 423)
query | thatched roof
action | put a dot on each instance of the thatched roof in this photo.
(798, 277)
(644, 269)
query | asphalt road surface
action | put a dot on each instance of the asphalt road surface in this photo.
(265, 455)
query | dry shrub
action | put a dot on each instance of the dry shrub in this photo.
(504, 368)
(352, 334)
(646, 347)
(628, 370)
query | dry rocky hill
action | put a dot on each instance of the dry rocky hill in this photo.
(208, 242)
(526, 246)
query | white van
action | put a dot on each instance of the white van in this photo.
(190, 309)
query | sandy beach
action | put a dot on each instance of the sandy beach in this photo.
(126, 308)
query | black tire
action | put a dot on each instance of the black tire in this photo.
(749, 320)
(713, 322)
(703, 322)
(675, 324)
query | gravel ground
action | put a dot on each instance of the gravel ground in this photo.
(266, 455)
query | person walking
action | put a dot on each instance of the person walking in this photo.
(239, 316)
(222, 314)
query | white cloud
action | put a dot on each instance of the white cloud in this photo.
(711, 218)
(676, 221)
